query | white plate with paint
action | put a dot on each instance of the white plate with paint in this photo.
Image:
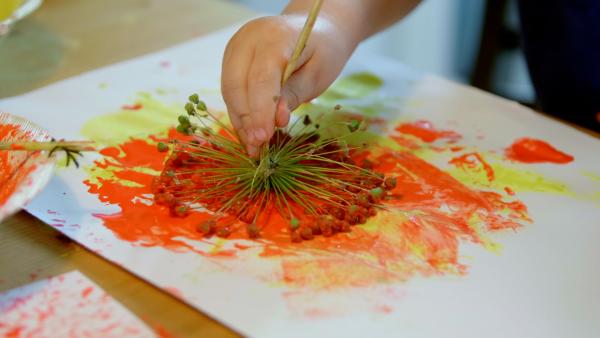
(23, 174)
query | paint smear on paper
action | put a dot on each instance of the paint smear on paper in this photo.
(436, 206)
(143, 117)
(15, 166)
(529, 150)
(430, 214)
(69, 305)
(425, 131)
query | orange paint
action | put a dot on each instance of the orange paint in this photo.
(529, 150)
(430, 214)
(15, 167)
(425, 131)
(136, 106)
(472, 161)
(509, 191)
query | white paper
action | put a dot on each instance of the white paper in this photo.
(543, 283)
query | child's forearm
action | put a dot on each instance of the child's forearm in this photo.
(359, 18)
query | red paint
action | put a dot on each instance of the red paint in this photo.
(87, 291)
(530, 150)
(509, 191)
(161, 332)
(385, 309)
(137, 222)
(472, 161)
(15, 332)
(15, 167)
(174, 291)
(60, 307)
(425, 131)
(136, 106)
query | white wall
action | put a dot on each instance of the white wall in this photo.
(427, 39)
(440, 36)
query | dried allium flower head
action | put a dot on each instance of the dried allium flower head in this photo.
(310, 181)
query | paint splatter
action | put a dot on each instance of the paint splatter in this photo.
(447, 194)
(425, 131)
(529, 150)
(136, 106)
(69, 305)
(431, 213)
(15, 166)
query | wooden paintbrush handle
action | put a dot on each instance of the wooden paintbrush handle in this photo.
(302, 39)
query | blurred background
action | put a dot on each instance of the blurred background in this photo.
(469, 41)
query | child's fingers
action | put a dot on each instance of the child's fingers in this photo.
(302, 86)
(234, 89)
(264, 79)
(282, 114)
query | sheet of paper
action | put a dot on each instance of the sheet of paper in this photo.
(69, 305)
(478, 244)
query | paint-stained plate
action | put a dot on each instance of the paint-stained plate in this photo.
(22, 174)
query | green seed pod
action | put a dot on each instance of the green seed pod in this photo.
(184, 120)
(189, 108)
(194, 98)
(377, 193)
(294, 223)
(183, 129)
(353, 209)
(162, 147)
(201, 106)
(353, 125)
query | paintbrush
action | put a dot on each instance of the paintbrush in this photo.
(72, 149)
(48, 146)
(302, 39)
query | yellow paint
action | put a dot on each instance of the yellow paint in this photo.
(592, 176)
(152, 118)
(354, 86)
(506, 175)
(107, 174)
(7, 7)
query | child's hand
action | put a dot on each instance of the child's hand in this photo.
(253, 64)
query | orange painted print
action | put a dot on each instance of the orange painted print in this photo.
(426, 218)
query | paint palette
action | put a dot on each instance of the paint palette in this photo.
(22, 174)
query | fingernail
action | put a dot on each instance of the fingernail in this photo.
(250, 138)
(260, 134)
(252, 151)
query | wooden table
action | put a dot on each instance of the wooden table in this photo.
(68, 37)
